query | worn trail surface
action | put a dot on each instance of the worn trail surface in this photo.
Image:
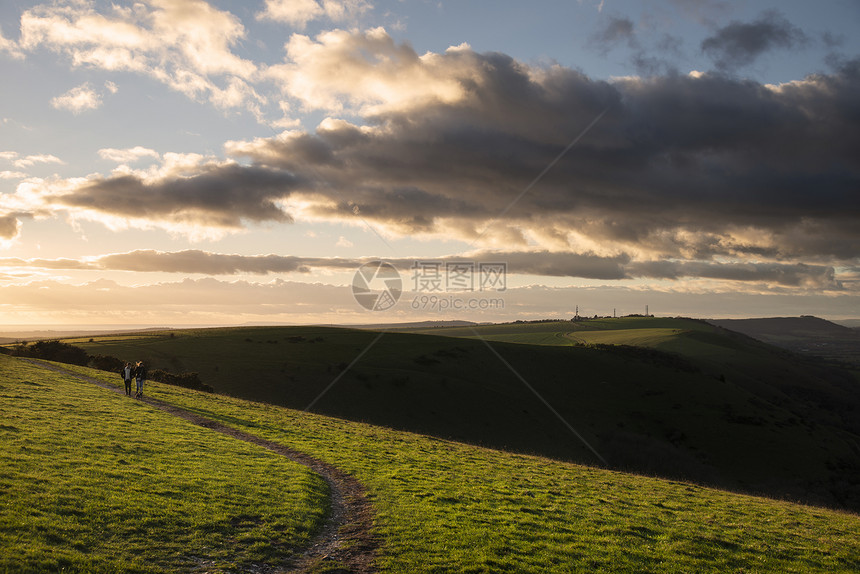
(346, 538)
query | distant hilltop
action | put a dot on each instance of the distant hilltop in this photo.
(781, 326)
(806, 334)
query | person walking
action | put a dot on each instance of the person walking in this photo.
(127, 374)
(140, 374)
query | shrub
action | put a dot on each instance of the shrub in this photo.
(54, 351)
(187, 380)
(106, 363)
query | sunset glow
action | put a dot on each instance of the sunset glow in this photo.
(199, 163)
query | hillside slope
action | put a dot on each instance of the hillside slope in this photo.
(91, 481)
(719, 408)
(807, 335)
(443, 506)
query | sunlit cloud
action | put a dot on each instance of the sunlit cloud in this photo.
(758, 275)
(185, 44)
(700, 177)
(130, 155)
(369, 72)
(298, 13)
(12, 174)
(77, 100)
(211, 301)
(9, 47)
(29, 160)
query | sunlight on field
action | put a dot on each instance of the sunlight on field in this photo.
(636, 337)
(91, 481)
(442, 505)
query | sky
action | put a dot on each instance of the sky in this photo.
(183, 162)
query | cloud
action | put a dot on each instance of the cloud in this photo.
(294, 12)
(186, 44)
(814, 277)
(203, 301)
(616, 30)
(648, 60)
(12, 175)
(208, 301)
(188, 194)
(30, 160)
(10, 227)
(10, 47)
(739, 44)
(342, 69)
(298, 13)
(727, 174)
(196, 261)
(534, 263)
(680, 166)
(129, 155)
(79, 99)
(220, 196)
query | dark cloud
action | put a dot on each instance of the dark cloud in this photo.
(677, 160)
(54, 264)
(739, 44)
(216, 196)
(700, 168)
(615, 31)
(538, 263)
(790, 275)
(832, 41)
(196, 261)
(9, 226)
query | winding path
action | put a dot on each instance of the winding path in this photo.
(346, 538)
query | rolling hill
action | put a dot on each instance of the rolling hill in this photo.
(91, 481)
(689, 400)
(70, 503)
(807, 335)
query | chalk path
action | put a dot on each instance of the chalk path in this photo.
(345, 539)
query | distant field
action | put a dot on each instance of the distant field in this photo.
(688, 400)
(91, 481)
(651, 332)
(443, 506)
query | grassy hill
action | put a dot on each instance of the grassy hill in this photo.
(689, 401)
(94, 482)
(440, 505)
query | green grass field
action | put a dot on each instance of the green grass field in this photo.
(91, 481)
(687, 401)
(440, 506)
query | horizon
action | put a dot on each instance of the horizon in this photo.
(108, 329)
(220, 162)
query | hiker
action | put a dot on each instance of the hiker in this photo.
(140, 374)
(127, 372)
